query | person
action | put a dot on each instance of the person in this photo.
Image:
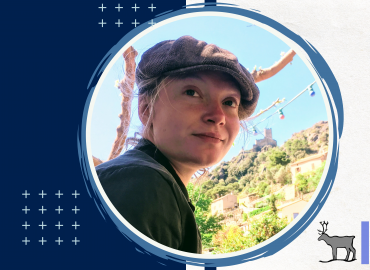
(192, 97)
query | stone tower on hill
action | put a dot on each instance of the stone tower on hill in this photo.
(268, 140)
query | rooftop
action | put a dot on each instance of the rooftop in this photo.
(218, 199)
(290, 203)
(309, 158)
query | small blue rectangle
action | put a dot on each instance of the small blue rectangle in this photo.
(365, 242)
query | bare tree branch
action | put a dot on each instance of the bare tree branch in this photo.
(126, 86)
(266, 73)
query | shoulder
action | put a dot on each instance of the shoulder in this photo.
(132, 162)
(129, 173)
(134, 179)
(136, 183)
(132, 170)
(146, 198)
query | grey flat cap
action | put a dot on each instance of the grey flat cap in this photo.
(186, 55)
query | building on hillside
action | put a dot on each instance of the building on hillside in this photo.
(291, 210)
(232, 217)
(268, 140)
(246, 202)
(227, 202)
(290, 192)
(244, 226)
(307, 164)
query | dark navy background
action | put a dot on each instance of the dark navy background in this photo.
(49, 53)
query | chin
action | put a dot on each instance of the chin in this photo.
(201, 156)
(205, 161)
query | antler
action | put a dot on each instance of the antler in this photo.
(324, 229)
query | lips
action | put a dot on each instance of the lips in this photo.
(209, 137)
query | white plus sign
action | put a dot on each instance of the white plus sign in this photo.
(75, 225)
(26, 209)
(75, 194)
(42, 194)
(151, 22)
(135, 23)
(59, 225)
(75, 240)
(119, 7)
(42, 225)
(102, 23)
(59, 194)
(26, 225)
(58, 241)
(26, 241)
(26, 194)
(75, 209)
(119, 23)
(42, 209)
(102, 7)
(59, 209)
(151, 7)
(42, 241)
(135, 7)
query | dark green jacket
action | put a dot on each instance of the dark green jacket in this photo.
(148, 193)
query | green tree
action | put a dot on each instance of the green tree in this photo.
(208, 224)
(283, 175)
(261, 158)
(277, 157)
(261, 188)
(233, 187)
(308, 181)
(242, 182)
(296, 148)
(230, 180)
(244, 166)
(207, 185)
(233, 170)
(231, 238)
(267, 190)
(272, 203)
(265, 227)
(221, 190)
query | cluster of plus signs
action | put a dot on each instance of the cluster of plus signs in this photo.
(42, 225)
(102, 23)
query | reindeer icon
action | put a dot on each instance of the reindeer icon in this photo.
(337, 242)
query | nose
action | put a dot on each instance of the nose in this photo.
(214, 114)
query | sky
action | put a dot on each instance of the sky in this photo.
(254, 46)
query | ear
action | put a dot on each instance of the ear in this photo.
(144, 109)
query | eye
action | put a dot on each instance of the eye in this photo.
(192, 93)
(230, 103)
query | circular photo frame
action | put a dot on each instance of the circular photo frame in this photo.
(324, 79)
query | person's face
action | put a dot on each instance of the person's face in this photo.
(195, 119)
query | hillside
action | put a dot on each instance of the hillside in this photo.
(259, 172)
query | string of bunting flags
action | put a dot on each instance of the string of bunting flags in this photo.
(280, 110)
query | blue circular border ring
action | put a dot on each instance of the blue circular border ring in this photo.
(336, 108)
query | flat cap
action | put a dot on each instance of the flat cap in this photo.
(186, 55)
